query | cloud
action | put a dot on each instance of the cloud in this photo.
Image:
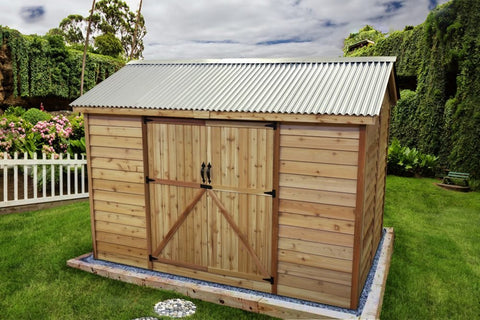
(240, 28)
(393, 6)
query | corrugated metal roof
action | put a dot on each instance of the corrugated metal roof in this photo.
(341, 86)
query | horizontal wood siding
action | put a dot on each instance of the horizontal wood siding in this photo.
(118, 193)
(317, 196)
(376, 161)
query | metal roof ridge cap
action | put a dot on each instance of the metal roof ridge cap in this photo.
(266, 60)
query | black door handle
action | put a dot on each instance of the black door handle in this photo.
(202, 172)
(208, 172)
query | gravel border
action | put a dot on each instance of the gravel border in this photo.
(357, 312)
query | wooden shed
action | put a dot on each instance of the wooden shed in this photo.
(266, 174)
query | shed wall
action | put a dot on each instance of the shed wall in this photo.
(375, 173)
(117, 199)
(318, 178)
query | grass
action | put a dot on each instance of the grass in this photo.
(434, 273)
(435, 269)
(35, 282)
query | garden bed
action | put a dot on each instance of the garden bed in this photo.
(253, 301)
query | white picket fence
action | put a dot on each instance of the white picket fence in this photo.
(42, 180)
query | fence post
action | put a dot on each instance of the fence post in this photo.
(5, 179)
(35, 180)
(15, 177)
(83, 175)
(60, 174)
(25, 177)
(68, 175)
(52, 177)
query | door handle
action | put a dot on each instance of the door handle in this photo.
(202, 172)
(208, 172)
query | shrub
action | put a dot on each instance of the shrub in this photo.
(14, 111)
(35, 115)
(405, 161)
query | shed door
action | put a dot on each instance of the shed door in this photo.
(210, 198)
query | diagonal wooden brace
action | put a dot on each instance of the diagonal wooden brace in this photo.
(237, 230)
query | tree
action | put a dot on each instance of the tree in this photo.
(114, 16)
(111, 17)
(72, 27)
(108, 45)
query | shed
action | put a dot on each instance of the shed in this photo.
(266, 174)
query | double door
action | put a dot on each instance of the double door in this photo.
(210, 190)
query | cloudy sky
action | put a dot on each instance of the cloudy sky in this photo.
(179, 29)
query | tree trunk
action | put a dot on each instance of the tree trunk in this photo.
(86, 46)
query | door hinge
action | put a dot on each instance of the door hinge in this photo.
(272, 125)
(148, 180)
(271, 280)
(152, 258)
(205, 186)
(271, 193)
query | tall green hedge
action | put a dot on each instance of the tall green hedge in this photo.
(442, 116)
(44, 66)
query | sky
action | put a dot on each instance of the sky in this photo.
(200, 29)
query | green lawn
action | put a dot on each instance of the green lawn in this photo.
(435, 270)
(434, 273)
(35, 282)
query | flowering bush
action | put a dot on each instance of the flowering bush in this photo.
(53, 136)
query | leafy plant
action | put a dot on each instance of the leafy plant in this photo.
(439, 61)
(77, 146)
(14, 111)
(405, 161)
(36, 115)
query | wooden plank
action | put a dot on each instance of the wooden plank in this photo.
(123, 250)
(316, 248)
(103, 130)
(117, 186)
(318, 196)
(318, 183)
(319, 223)
(319, 143)
(125, 198)
(350, 132)
(116, 142)
(313, 296)
(317, 209)
(359, 212)
(319, 155)
(120, 229)
(90, 183)
(121, 208)
(300, 270)
(315, 285)
(179, 221)
(373, 305)
(314, 118)
(312, 260)
(119, 258)
(120, 153)
(117, 175)
(117, 164)
(318, 169)
(275, 208)
(120, 218)
(313, 235)
(122, 240)
(247, 301)
(207, 276)
(239, 233)
(113, 120)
